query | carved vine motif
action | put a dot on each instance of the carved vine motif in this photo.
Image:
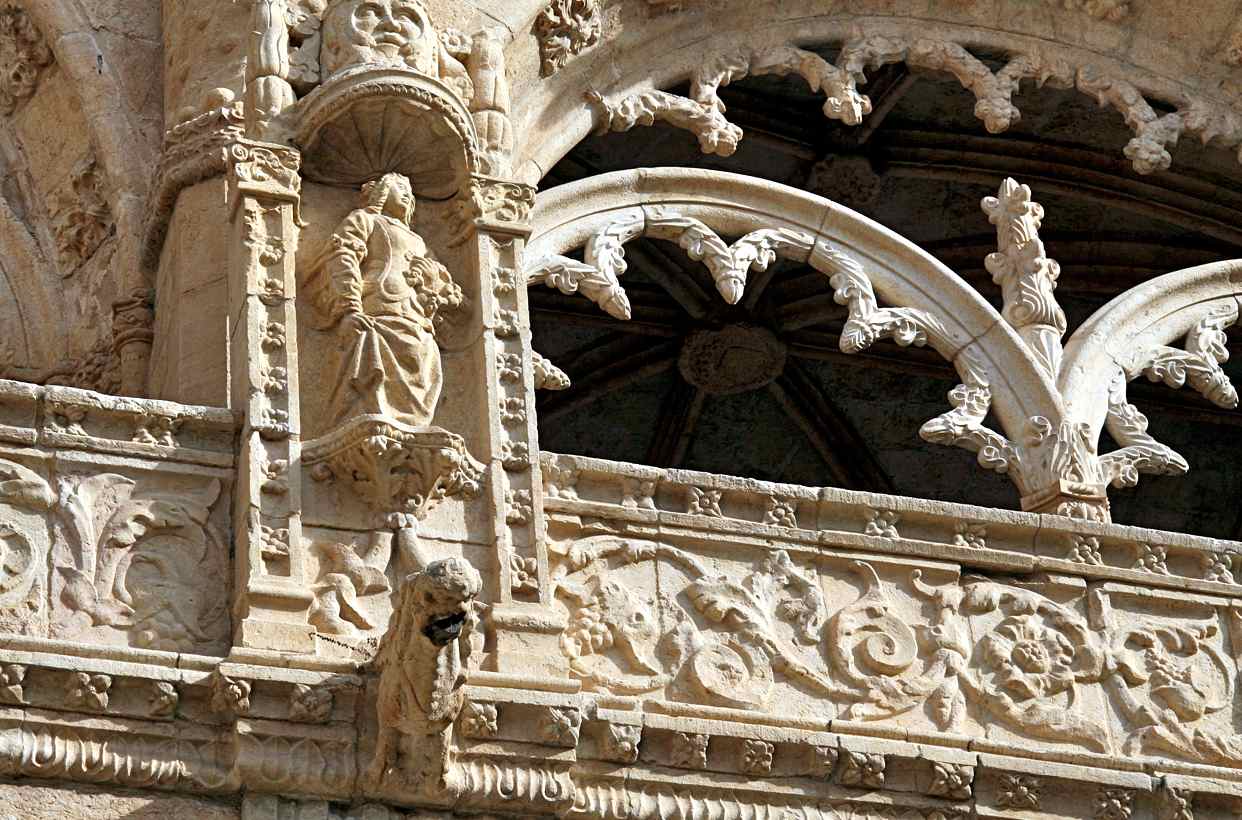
(23, 55)
(702, 111)
(140, 561)
(1003, 653)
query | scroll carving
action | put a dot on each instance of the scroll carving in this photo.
(1001, 652)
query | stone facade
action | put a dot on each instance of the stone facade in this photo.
(278, 538)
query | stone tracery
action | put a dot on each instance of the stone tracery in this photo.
(427, 613)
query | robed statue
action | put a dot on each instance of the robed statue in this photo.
(381, 289)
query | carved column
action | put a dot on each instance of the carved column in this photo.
(501, 209)
(272, 595)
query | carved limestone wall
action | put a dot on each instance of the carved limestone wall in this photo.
(327, 571)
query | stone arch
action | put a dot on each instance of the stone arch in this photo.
(625, 77)
(1052, 410)
(127, 162)
(931, 302)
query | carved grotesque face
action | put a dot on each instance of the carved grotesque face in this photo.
(379, 31)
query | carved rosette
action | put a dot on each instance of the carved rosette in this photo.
(402, 471)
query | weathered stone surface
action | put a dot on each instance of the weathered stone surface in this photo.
(36, 802)
(278, 537)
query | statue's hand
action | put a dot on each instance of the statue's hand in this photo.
(357, 322)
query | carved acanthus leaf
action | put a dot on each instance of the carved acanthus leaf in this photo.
(1200, 363)
(123, 577)
(1139, 452)
(963, 427)
(570, 276)
(598, 277)
(868, 322)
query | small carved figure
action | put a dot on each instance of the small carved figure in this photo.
(422, 662)
(377, 282)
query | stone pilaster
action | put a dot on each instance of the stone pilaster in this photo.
(272, 595)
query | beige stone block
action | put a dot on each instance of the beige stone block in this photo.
(32, 801)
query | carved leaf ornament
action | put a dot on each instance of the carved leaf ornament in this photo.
(996, 651)
(1052, 458)
(136, 557)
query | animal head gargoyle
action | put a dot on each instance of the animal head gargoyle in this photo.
(443, 596)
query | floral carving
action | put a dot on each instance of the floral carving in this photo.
(620, 742)
(780, 512)
(523, 573)
(310, 704)
(515, 455)
(1151, 558)
(230, 696)
(757, 757)
(565, 29)
(974, 536)
(163, 699)
(862, 769)
(704, 502)
(518, 507)
(86, 691)
(951, 780)
(23, 54)
(688, 750)
(1114, 804)
(638, 493)
(512, 411)
(560, 481)
(1018, 791)
(156, 430)
(1218, 567)
(478, 720)
(1085, 549)
(559, 726)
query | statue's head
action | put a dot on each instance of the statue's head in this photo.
(394, 32)
(390, 194)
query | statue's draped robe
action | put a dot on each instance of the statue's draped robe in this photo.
(377, 267)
